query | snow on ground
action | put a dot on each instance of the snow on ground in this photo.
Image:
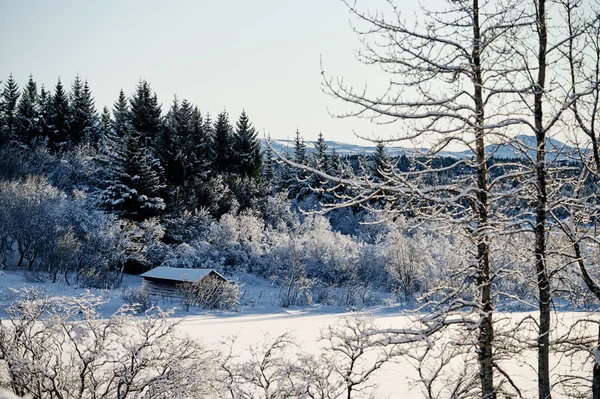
(260, 318)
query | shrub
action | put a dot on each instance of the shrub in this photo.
(211, 293)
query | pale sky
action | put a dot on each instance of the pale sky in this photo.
(261, 55)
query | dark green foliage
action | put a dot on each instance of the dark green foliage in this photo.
(199, 151)
(299, 149)
(170, 142)
(134, 186)
(84, 118)
(380, 162)
(8, 110)
(320, 161)
(297, 182)
(145, 112)
(59, 120)
(269, 164)
(247, 157)
(28, 114)
(45, 111)
(121, 115)
(223, 143)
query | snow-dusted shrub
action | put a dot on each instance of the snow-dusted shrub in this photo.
(278, 214)
(137, 298)
(329, 256)
(63, 348)
(30, 210)
(187, 227)
(211, 293)
(407, 259)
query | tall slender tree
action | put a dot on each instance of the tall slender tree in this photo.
(8, 110)
(45, 109)
(28, 113)
(268, 171)
(59, 119)
(145, 112)
(133, 188)
(247, 157)
(223, 143)
(121, 115)
(84, 118)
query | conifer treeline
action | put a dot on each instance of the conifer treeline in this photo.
(152, 162)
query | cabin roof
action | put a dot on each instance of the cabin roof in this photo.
(179, 274)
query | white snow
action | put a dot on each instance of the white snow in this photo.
(253, 325)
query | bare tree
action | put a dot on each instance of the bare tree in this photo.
(582, 50)
(449, 86)
(62, 348)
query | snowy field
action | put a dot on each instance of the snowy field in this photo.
(259, 320)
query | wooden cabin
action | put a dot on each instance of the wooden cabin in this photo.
(168, 281)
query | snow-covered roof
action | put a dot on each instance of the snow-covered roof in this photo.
(179, 274)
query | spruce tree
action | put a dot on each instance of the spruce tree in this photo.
(84, 118)
(45, 112)
(380, 162)
(121, 115)
(145, 112)
(287, 175)
(223, 143)
(28, 114)
(171, 141)
(247, 157)
(269, 164)
(199, 146)
(299, 187)
(134, 187)
(299, 149)
(59, 119)
(320, 161)
(105, 126)
(8, 110)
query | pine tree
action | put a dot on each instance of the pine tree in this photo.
(121, 115)
(59, 119)
(320, 156)
(269, 164)
(299, 187)
(8, 110)
(223, 143)
(320, 161)
(134, 187)
(247, 157)
(199, 146)
(299, 149)
(380, 162)
(45, 112)
(287, 175)
(171, 141)
(84, 118)
(28, 114)
(145, 112)
(105, 126)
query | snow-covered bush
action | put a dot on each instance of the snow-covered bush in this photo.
(137, 298)
(62, 347)
(407, 259)
(211, 293)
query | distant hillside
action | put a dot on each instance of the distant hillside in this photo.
(521, 147)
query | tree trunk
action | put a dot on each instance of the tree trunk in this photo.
(543, 281)
(486, 329)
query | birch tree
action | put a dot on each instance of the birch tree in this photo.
(448, 86)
